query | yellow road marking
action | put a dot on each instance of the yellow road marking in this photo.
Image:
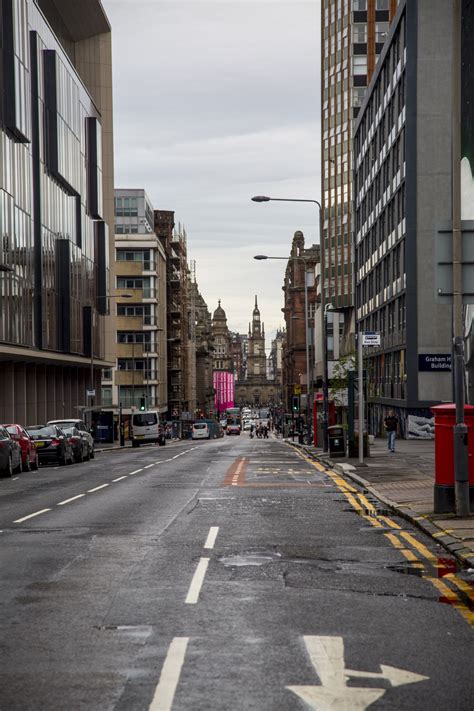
(448, 593)
(453, 599)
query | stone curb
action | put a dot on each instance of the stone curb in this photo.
(453, 545)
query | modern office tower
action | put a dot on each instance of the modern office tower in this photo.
(173, 239)
(402, 190)
(353, 34)
(56, 207)
(139, 378)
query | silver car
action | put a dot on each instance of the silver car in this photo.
(85, 433)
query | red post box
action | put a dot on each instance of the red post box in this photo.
(445, 420)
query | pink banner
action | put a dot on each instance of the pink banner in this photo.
(224, 390)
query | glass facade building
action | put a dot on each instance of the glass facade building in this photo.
(53, 221)
(402, 199)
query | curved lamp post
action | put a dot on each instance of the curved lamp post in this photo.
(265, 198)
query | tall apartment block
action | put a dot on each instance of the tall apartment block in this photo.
(403, 203)
(56, 206)
(140, 374)
(353, 34)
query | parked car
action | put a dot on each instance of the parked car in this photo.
(78, 442)
(29, 454)
(82, 427)
(10, 454)
(52, 444)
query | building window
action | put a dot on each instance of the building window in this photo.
(381, 31)
(126, 206)
(107, 395)
(136, 310)
(359, 5)
(142, 283)
(359, 33)
(106, 373)
(382, 5)
(360, 65)
(142, 255)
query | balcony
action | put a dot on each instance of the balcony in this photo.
(129, 377)
(130, 323)
(131, 350)
(133, 268)
(139, 295)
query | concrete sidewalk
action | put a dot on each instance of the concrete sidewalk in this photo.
(404, 481)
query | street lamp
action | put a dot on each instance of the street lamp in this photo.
(260, 257)
(265, 198)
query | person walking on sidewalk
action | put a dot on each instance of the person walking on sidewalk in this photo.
(391, 425)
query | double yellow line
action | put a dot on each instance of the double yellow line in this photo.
(415, 552)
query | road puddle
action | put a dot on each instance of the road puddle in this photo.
(250, 558)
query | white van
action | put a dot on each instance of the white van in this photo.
(146, 428)
(201, 431)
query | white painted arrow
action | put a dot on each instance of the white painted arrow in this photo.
(396, 677)
(344, 699)
(327, 657)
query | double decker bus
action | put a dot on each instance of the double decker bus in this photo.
(234, 423)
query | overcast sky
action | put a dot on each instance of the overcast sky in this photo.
(216, 101)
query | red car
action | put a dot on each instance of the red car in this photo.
(29, 454)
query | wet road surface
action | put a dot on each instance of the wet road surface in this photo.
(230, 574)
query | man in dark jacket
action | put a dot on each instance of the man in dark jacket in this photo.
(391, 425)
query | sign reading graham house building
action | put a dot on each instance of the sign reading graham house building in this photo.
(434, 362)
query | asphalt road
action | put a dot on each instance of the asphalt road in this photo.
(230, 574)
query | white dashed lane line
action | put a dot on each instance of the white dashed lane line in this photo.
(211, 538)
(169, 677)
(196, 583)
(102, 486)
(25, 518)
(73, 498)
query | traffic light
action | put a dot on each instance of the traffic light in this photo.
(142, 403)
(295, 403)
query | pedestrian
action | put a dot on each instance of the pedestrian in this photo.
(265, 432)
(391, 425)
